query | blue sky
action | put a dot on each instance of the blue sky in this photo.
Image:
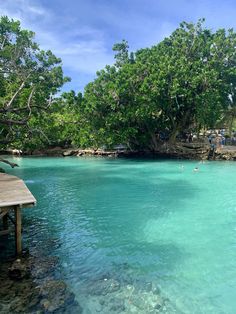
(82, 32)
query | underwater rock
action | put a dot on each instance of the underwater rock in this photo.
(148, 286)
(43, 267)
(56, 296)
(22, 292)
(117, 305)
(109, 295)
(103, 286)
(19, 270)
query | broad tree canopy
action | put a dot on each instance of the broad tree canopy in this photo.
(29, 79)
(187, 81)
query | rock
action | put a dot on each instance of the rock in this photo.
(45, 304)
(56, 296)
(28, 294)
(53, 288)
(42, 267)
(185, 150)
(38, 152)
(19, 270)
(138, 302)
(55, 151)
(156, 290)
(103, 287)
(102, 302)
(148, 286)
(227, 153)
(70, 152)
(117, 305)
(157, 306)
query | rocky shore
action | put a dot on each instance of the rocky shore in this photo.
(29, 285)
(35, 283)
(226, 153)
(180, 150)
(111, 294)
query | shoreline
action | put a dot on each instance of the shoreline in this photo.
(29, 285)
(188, 151)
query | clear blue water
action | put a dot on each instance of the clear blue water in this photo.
(164, 222)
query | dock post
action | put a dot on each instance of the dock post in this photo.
(5, 222)
(18, 230)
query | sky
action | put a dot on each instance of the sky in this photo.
(82, 32)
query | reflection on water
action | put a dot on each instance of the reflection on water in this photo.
(136, 236)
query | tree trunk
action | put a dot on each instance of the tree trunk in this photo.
(231, 122)
(173, 135)
(154, 142)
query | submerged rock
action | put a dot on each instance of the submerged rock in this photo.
(109, 295)
(44, 267)
(22, 291)
(103, 286)
(56, 296)
(19, 270)
(117, 305)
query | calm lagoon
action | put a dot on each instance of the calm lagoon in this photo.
(142, 223)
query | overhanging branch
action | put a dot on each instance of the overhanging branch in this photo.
(12, 164)
(13, 122)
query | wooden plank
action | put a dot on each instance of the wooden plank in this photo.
(13, 191)
(3, 212)
(5, 232)
(5, 222)
(14, 194)
(18, 230)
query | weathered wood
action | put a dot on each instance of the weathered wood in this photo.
(3, 212)
(14, 194)
(13, 191)
(18, 230)
(5, 222)
(5, 232)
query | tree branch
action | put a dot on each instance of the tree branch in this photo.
(12, 164)
(17, 92)
(15, 110)
(29, 101)
(11, 122)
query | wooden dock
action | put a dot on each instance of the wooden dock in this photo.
(14, 195)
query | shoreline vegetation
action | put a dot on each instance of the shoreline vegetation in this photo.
(191, 151)
(183, 85)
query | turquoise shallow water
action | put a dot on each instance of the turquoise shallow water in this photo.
(163, 222)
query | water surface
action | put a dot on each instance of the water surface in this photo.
(157, 220)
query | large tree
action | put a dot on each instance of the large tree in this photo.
(29, 79)
(185, 82)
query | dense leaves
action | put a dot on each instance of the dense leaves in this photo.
(29, 77)
(186, 82)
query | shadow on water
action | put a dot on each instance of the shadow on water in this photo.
(92, 216)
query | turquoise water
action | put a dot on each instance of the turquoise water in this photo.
(152, 220)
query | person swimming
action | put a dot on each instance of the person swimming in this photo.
(196, 169)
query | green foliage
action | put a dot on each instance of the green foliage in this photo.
(29, 77)
(185, 82)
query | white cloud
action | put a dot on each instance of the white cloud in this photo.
(23, 10)
(82, 49)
